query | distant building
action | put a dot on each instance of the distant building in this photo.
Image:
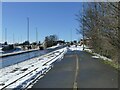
(86, 41)
(60, 42)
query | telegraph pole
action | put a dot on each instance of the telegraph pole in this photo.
(36, 36)
(83, 26)
(5, 34)
(13, 38)
(71, 35)
(18, 40)
(28, 31)
(21, 38)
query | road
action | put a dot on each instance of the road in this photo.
(79, 70)
(13, 59)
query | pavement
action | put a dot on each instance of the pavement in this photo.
(61, 75)
(95, 74)
(79, 70)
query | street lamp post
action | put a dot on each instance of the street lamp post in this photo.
(5, 34)
(36, 35)
(28, 31)
(13, 38)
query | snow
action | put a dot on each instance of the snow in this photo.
(102, 57)
(95, 57)
(17, 52)
(22, 51)
(74, 48)
(22, 74)
(98, 55)
(1, 50)
(88, 50)
(26, 73)
(7, 61)
(54, 46)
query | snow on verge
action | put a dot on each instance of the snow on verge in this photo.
(74, 48)
(23, 74)
(98, 55)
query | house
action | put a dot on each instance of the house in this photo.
(86, 41)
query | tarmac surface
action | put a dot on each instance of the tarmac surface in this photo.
(79, 70)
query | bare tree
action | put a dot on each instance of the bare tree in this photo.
(100, 21)
(50, 40)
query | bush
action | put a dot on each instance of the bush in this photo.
(41, 48)
(8, 47)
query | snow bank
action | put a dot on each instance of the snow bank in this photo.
(54, 46)
(23, 74)
(98, 55)
(18, 52)
(73, 48)
(102, 57)
(95, 57)
(88, 50)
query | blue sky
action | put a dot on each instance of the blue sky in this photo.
(49, 17)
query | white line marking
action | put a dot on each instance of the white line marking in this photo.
(76, 74)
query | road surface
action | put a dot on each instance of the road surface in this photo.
(79, 70)
(13, 59)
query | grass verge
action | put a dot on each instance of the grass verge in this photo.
(111, 63)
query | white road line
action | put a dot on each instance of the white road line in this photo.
(76, 74)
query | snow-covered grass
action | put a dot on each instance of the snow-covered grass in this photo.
(22, 74)
(98, 55)
(95, 55)
(104, 59)
(88, 50)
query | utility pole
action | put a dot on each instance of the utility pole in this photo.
(2, 36)
(21, 38)
(36, 35)
(18, 40)
(28, 29)
(71, 35)
(5, 34)
(13, 38)
(83, 26)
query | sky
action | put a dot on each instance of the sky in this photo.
(49, 18)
